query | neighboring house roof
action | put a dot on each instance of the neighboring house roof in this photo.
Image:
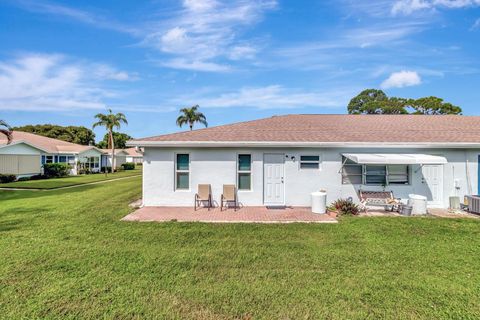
(117, 152)
(48, 145)
(3, 145)
(341, 130)
(133, 152)
(128, 152)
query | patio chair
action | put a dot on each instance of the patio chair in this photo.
(378, 198)
(204, 194)
(229, 195)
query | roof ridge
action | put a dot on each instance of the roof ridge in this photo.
(203, 129)
(336, 127)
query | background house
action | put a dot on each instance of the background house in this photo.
(121, 156)
(28, 152)
(134, 155)
(281, 160)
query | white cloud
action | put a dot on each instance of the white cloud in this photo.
(196, 65)
(204, 33)
(75, 14)
(476, 25)
(407, 7)
(273, 97)
(402, 79)
(53, 82)
(242, 52)
(107, 72)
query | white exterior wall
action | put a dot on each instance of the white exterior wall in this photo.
(20, 148)
(87, 154)
(217, 166)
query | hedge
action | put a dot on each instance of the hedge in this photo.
(56, 169)
(6, 178)
(128, 166)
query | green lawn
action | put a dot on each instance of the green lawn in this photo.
(65, 254)
(69, 181)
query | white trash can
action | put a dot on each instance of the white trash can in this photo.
(418, 203)
(319, 202)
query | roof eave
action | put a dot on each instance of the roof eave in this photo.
(230, 144)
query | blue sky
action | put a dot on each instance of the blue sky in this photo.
(62, 62)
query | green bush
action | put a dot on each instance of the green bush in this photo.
(6, 178)
(345, 207)
(128, 166)
(56, 169)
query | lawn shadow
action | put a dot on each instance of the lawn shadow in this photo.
(10, 225)
(32, 194)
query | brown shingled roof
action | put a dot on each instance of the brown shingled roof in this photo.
(49, 145)
(338, 128)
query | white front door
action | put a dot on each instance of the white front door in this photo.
(273, 179)
(432, 178)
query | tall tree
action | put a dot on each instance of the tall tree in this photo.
(110, 121)
(7, 131)
(120, 140)
(190, 116)
(74, 134)
(373, 101)
(432, 105)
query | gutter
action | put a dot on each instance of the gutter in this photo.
(257, 144)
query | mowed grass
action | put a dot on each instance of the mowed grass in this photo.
(70, 181)
(65, 254)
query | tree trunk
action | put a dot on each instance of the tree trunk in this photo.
(191, 126)
(113, 151)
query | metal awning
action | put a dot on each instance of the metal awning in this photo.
(394, 158)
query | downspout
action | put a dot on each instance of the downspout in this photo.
(469, 182)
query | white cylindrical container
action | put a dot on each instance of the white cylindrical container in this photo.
(319, 202)
(418, 203)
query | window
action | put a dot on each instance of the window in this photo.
(47, 159)
(92, 163)
(309, 162)
(182, 172)
(398, 174)
(244, 172)
(376, 175)
(353, 173)
(71, 160)
(62, 159)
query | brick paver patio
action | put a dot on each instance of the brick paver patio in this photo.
(242, 215)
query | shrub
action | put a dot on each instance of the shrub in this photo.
(23, 179)
(128, 166)
(345, 207)
(56, 169)
(108, 169)
(7, 178)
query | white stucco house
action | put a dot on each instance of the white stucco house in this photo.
(122, 156)
(282, 159)
(27, 153)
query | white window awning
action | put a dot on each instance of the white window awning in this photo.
(394, 158)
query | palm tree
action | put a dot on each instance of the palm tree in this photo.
(7, 132)
(190, 116)
(110, 121)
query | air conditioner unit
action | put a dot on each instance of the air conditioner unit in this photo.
(473, 203)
